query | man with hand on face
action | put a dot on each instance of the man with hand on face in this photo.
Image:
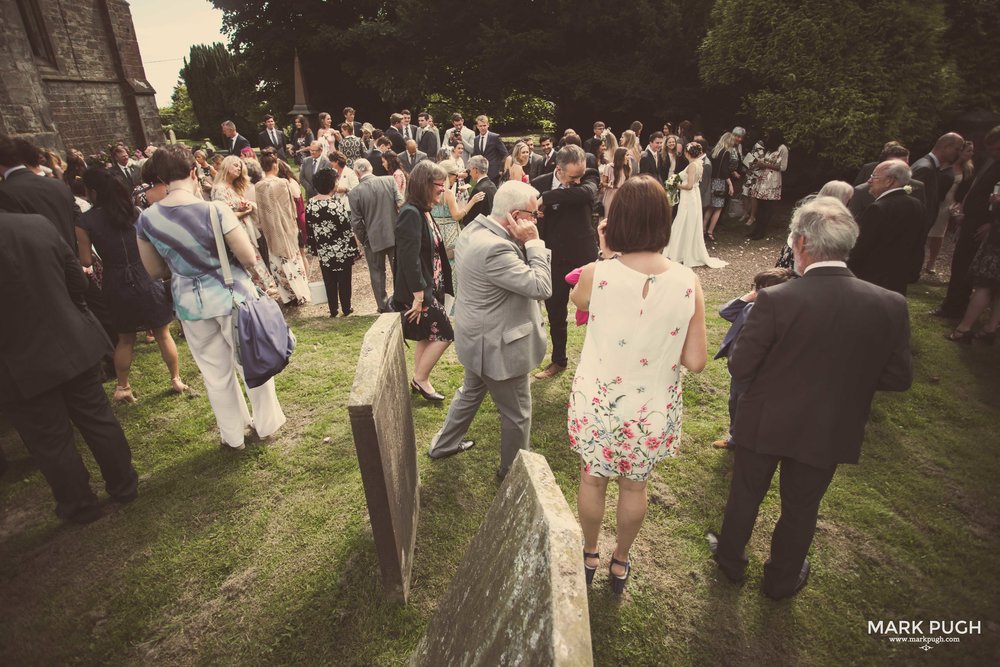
(504, 269)
(568, 196)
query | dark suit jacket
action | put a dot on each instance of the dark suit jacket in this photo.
(27, 192)
(264, 141)
(413, 269)
(548, 164)
(936, 184)
(647, 165)
(865, 172)
(49, 335)
(484, 185)
(862, 198)
(812, 354)
(398, 144)
(413, 132)
(736, 311)
(536, 165)
(134, 177)
(308, 171)
(567, 225)
(241, 143)
(375, 157)
(976, 204)
(890, 250)
(429, 142)
(592, 145)
(495, 152)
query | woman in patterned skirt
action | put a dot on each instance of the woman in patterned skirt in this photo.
(332, 240)
(278, 221)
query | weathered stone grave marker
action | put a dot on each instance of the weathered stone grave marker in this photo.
(382, 423)
(520, 596)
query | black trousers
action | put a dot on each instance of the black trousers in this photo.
(801, 487)
(960, 285)
(557, 308)
(45, 424)
(338, 284)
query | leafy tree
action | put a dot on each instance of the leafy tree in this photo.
(179, 116)
(839, 79)
(221, 87)
(972, 40)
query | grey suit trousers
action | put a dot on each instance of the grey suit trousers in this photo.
(512, 398)
(376, 272)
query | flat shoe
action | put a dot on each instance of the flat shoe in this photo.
(463, 446)
(550, 371)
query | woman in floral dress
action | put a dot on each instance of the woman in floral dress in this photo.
(332, 241)
(647, 319)
(232, 187)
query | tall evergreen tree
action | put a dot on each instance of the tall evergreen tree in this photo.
(220, 88)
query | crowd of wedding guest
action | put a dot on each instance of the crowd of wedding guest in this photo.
(476, 234)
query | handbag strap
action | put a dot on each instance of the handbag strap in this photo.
(220, 245)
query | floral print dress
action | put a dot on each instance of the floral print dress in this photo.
(625, 406)
(330, 235)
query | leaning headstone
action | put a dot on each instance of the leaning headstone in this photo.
(520, 596)
(382, 423)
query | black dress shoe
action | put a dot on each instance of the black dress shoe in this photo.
(462, 446)
(713, 546)
(348, 312)
(430, 396)
(799, 584)
(502, 473)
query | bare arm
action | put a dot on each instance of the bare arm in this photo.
(694, 354)
(460, 213)
(581, 293)
(152, 261)
(83, 247)
(239, 243)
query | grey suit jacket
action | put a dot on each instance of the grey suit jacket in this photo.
(309, 168)
(498, 323)
(375, 204)
(429, 141)
(407, 164)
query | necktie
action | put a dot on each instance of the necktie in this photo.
(482, 144)
(274, 138)
(128, 176)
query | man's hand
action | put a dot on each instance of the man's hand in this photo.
(521, 230)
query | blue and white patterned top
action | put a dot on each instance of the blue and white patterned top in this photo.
(183, 237)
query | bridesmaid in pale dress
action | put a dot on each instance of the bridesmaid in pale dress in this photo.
(232, 187)
(962, 171)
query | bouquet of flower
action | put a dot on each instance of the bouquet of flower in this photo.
(672, 185)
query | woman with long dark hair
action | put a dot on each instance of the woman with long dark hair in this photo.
(302, 137)
(136, 301)
(391, 163)
(422, 276)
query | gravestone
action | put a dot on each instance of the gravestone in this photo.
(520, 595)
(382, 424)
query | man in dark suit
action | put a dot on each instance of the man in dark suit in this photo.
(928, 170)
(124, 169)
(478, 173)
(382, 144)
(893, 150)
(979, 210)
(349, 118)
(407, 129)
(573, 139)
(311, 165)
(394, 133)
(409, 158)
(536, 163)
(649, 161)
(272, 137)
(863, 198)
(568, 197)
(490, 146)
(23, 191)
(235, 142)
(548, 156)
(593, 145)
(50, 376)
(818, 347)
(890, 249)
(428, 139)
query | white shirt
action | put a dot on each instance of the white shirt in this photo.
(819, 265)
(886, 192)
(10, 171)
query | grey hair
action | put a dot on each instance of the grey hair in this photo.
(229, 124)
(362, 166)
(316, 144)
(826, 227)
(839, 189)
(570, 154)
(478, 162)
(898, 170)
(739, 131)
(511, 196)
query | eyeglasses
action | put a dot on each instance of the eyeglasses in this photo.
(531, 214)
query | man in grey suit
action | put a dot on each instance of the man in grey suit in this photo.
(498, 326)
(375, 202)
(311, 165)
(409, 158)
(428, 139)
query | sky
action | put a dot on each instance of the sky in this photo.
(166, 31)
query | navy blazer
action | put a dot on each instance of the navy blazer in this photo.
(495, 153)
(566, 224)
(736, 311)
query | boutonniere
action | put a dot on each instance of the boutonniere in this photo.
(908, 189)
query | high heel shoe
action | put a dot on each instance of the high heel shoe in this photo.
(430, 396)
(963, 337)
(124, 394)
(589, 571)
(618, 583)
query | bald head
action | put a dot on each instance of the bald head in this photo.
(411, 146)
(887, 176)
(948, 147)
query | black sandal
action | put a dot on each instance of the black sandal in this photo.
(589, 571)
(618, 583)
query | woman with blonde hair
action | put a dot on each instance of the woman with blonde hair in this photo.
(630, 142)
(723, 164)
(608, 147)
(278, 222)
(232, 187)
(515, 165)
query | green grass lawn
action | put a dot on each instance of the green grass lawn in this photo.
(266, 556)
